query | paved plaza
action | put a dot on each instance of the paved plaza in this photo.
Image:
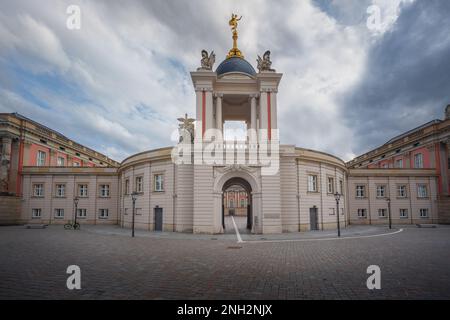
(414, 262)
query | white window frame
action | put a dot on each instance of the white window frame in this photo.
(362, 213)
(81, 213)
(60, 161)
(127, 186)
(60, 190)
(36, 213)
(402, 195)
(381, 191)
(102, 215)
(399, 163)
(104, 190)
(422, 191)
(360, 191)
(83, 190)
(312, 183)
(403, 213)
(382, 213)
(418, 161)
(139, 181)
(38, 191)
(158, 185)
(59, 213)
(421, 215)
(330, 185)
(41, 158)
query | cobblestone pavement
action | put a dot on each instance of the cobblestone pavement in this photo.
(415, 264)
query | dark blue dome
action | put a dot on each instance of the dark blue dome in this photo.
(235, 64)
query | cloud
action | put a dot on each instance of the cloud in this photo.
(118, 84)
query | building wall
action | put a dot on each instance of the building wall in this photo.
(412, 202)
(49, 201)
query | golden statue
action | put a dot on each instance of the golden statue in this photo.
(234, 52)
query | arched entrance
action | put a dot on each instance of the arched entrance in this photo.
(237, 205)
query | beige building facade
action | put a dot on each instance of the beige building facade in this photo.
(181, 188)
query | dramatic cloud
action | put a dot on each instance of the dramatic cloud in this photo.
(119, 83)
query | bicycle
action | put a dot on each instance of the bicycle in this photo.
(70, 225)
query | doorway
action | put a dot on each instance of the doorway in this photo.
(158, 219)
(237, 206)
(313, 218)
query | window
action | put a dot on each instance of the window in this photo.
(139, 187)
(83, 190)
(385, 166)
(76, 164)
(36, 213)
(231, 203)
(81, 213)
(423, 213)
(104, 190)
(59, 213)
(60, 161)
(362, 213)
(312, 183)
(332, 212)
(41, 158)
(399, 163)
(401, 191)
(38, 190)
(159, 182)
(381, 191)
(422, 191)
(418, 160)
(382, 213)
(330, 185)
(127, 186)
(403, 213)
(103, 213)
(242, 203)
(60, 190)
(341, 187)
(360, 191)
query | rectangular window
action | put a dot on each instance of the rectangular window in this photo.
(76, 164)
(401, 191)
(61, 162)
(423, 213)
(399, 163)
(41, 155)
(38, 190)
(139, 186)
(341, 187)
(418, 161)
(103, 213)
(127, 186)
(83, 190)
(312, 183)
(81, 213)
(332, 213)
(59, 213)
(159, 182)
(422, 191)
(382, 213)
(331, 185)
(360, 191)
(362, 213)
(60, 190)
(36, 213)
(381, 191)
(403, 213)
(104, 190)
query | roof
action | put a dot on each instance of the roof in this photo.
(235, 65)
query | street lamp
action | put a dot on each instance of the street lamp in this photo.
(337, 196)
(75, 201)
(389, 212)
(133, 198)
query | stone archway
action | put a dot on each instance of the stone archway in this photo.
(247, 178)
(243, 185)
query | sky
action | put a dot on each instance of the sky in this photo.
(355, 72)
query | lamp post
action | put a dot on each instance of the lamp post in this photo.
(337, 196)
(389, 212)
(133, 198)
(75, 201)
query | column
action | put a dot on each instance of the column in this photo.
(219, 122)
(263, 118)
(253, 111)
